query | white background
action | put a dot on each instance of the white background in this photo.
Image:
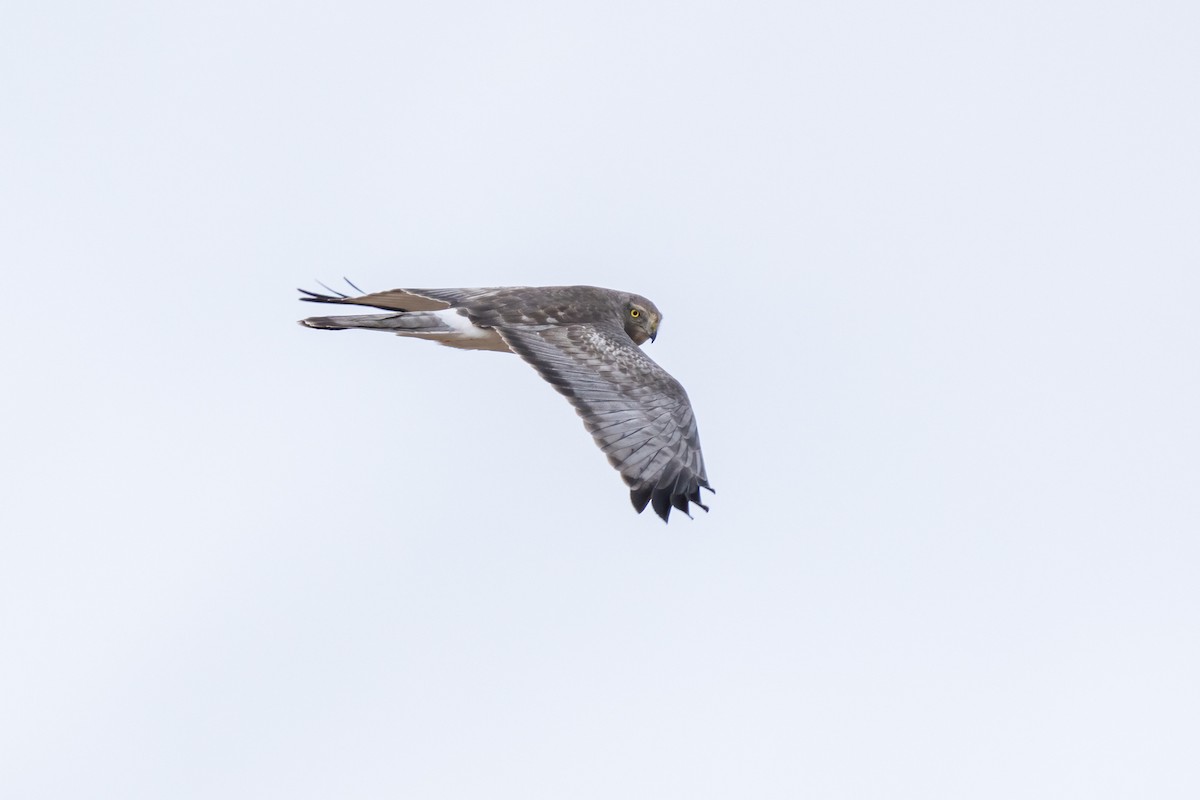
(929, 273)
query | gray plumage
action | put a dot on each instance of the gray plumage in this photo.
(585, 341)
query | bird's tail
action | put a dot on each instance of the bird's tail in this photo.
(411, 323)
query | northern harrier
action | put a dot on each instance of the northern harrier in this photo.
(585, 342)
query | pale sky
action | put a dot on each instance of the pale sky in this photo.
(930, 273)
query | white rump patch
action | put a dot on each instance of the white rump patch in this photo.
(466, 334)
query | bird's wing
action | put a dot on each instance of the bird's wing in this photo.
(637, 413)
(400, 299)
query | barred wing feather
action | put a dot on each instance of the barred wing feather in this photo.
(637, 413)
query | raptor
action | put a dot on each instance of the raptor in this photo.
(586, 342)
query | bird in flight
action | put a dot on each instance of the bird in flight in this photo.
(585, 341)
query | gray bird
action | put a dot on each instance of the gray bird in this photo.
(585, 342)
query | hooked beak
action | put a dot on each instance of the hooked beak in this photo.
(653, 334)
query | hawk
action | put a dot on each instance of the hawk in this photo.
(585, 341)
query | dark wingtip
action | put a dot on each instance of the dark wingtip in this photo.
(661, 500)
(317, 297)
(333, 292)
(681, 503)
(334, 295)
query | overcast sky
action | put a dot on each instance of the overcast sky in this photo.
(930, 273)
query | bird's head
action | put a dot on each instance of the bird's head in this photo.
(641, 319)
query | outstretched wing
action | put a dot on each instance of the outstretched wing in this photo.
(637, 413)
(399, 299)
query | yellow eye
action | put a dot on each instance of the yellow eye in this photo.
(633, 312)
